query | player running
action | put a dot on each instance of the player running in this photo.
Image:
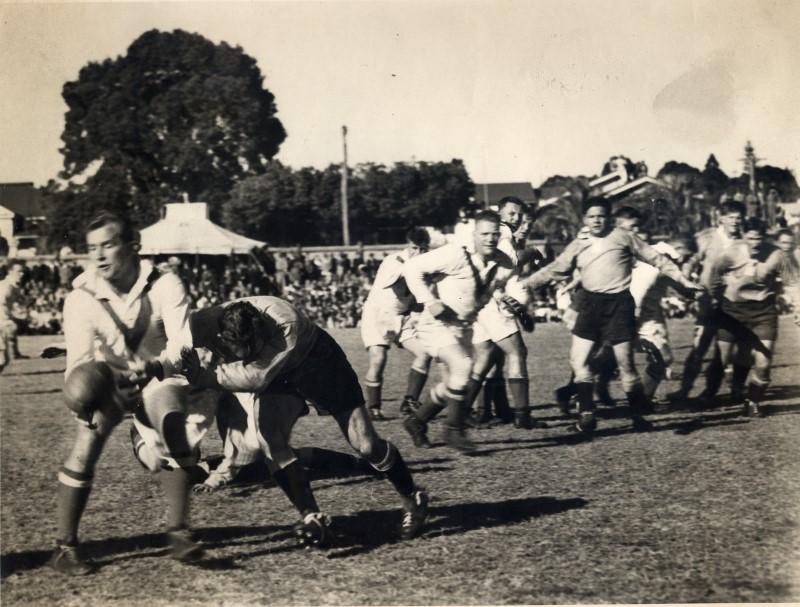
(265, 346)
(744, 280)
(387, 318)
(453, 283)
(125, 325)
(606, 311)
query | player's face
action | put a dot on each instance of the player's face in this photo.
(786, 243)
(244, 350)
(113, 258)
(682, 250)
(596, 219)
(487, 235)
(731, 223)
(754, 240)
(415, 249)
(511, 214)
(631, 224)
(15, 275)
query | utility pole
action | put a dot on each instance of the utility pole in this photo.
(345, 218)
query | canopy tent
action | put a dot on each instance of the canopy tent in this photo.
(186, 229)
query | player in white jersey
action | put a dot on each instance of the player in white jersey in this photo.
(387, 318)
(125, 325)
(9, 295)
(496, 329)
(453, 283)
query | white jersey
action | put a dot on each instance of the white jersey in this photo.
(382, 295)
(648, 286)
(154, 313)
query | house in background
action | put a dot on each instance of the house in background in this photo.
(21, 212)
(488, 194)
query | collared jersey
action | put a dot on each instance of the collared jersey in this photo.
(156, 304)
(605, 262)
(461, 280)
(711, 244)
(739, 277)
(382, 295)
(288, 339)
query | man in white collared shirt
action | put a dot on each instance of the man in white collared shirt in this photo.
(453, 283)
(125, 325)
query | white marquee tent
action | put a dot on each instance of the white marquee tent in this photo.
(186, 229)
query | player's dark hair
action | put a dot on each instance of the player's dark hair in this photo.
(418, 236)
(492, 216)
(239, 322)
(126, 231)
(732, 206)
(510, 200)
(784, 232)
(596, 201)
(627, 213)
(754, 224)
(686, 241)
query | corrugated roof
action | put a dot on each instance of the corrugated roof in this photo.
(22, 199)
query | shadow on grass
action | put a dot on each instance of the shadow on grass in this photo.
(19, 373)
(27, 392)
(367, 530)
(147, 545)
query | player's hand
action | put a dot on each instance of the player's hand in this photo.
(190, 364)
(203, 488)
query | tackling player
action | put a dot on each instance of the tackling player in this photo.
(124, 327)
(453, 283)
(606, 311)
(267, 347)
(387, 318)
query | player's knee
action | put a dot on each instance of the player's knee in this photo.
(760, 374)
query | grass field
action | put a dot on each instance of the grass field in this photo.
(703, 509)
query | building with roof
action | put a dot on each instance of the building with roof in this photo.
(21, 212)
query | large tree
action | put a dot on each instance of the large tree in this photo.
(177, 114)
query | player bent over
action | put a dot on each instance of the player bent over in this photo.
(606, 310)
(270, 348)
(387, 318)
(9, 295)
(125, 325)
(454, 283)
(745, 281)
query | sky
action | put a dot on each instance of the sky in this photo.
(519, 91)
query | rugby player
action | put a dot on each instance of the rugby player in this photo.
(711, 244)
(9, 295)
(605, 309)
(744, 280)
(496, 329)
(387, 318)
(266, 347)
(453, 283)
(125, 325)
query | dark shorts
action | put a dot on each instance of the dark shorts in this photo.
(605, 317)
(748, 322)
(324, 378)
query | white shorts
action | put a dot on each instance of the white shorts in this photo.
(433, 334)
(656, 333)
(201, 410)
(493, 324)
(380, 327)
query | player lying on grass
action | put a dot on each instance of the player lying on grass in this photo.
(388, 318)
(745, 282)
(606, 311)
(265, 346)
(125, 325)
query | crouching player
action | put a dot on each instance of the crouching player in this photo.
(744, 280)
(125, 325)
(268, 348)
(606, 311)
(387, 318)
